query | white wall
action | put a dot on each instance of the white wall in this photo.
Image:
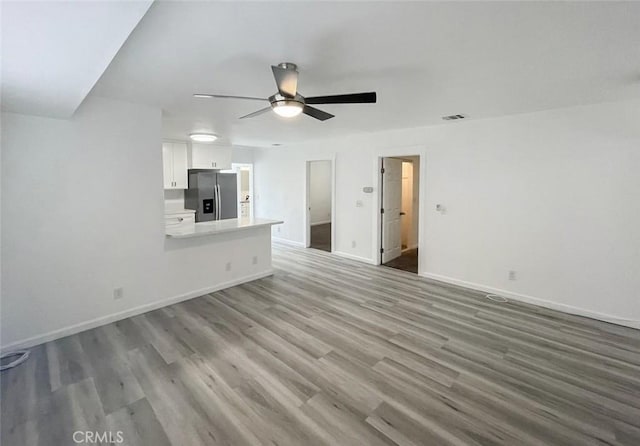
(320, 192)
(82, 214)
(552, 195)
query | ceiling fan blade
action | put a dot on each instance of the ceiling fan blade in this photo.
(250, 98)
(256, 113)
(286, 80)
(353, 98)
(315, 113)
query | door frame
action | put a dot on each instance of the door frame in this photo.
(306, 220)
(419, 151)
(235, 168)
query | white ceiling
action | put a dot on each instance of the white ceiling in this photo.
(54, 52)
(424, 59)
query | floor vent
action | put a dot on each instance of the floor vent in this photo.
(496, 298)
(453, 117)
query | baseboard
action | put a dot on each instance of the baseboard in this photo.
(410, 248)
(534, 301)
(284, 241)
(97, 322)
(320, 223)
(354, 257)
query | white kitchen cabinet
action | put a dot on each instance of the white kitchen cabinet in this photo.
(179, 218)
(210, 156)
(174, 159)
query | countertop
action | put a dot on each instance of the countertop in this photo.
(219, 227)
(172, 211)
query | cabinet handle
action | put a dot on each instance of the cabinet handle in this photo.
(180, 219)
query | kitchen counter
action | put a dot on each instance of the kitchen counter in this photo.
(219, 227)
(173, 211)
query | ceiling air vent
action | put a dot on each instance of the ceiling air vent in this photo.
(453, 117)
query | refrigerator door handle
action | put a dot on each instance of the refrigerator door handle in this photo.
(215, 197)
(218, 204)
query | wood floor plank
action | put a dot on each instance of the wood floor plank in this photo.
(329, 351)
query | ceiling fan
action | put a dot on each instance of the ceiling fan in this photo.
(287, 102)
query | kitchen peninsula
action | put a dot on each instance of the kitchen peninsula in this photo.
(208, 256)
(215, 227)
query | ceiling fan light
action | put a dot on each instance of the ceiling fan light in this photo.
(287, 109)
(203, 137)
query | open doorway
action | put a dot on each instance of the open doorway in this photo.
(244, 178)
(400, 189)
(320, 204)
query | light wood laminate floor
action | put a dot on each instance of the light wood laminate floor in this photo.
(334, 352)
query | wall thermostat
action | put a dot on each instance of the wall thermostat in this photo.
(367, 190)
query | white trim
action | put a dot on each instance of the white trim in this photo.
(415, 150)
(235, 167)
(285, 241)
(354, 257)
(535, 301)
(320, 223)
(97, 322)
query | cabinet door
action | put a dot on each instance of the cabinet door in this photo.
(180, 165)
(202, 156)
(167, 164)
(208, 156)
(223, 157)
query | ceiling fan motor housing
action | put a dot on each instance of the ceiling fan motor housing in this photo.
(278, 100)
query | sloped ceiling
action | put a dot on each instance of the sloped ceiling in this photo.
(54, 52)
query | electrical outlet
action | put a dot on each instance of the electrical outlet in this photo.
(359, 203)
(353, 244)
(118, 293)
(512, 275)
(278, 228)
(255, 260)
(228, 266)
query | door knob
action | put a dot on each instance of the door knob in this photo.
(403, 213)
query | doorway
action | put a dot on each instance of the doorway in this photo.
(244, 178)
(319, 205)
(400, 189)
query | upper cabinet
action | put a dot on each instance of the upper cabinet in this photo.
(174, 159)
(210, 156)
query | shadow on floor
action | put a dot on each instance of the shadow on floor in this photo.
(408, 261)
(321, 237)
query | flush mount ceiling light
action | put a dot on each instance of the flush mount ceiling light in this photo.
(203, 137)
(287, 108)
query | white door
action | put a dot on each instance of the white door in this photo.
(391, 203)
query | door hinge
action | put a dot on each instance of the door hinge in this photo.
(381, 250)
(381, 210)
(382, 170)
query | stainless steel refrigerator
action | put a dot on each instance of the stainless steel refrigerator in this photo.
(212, 194)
